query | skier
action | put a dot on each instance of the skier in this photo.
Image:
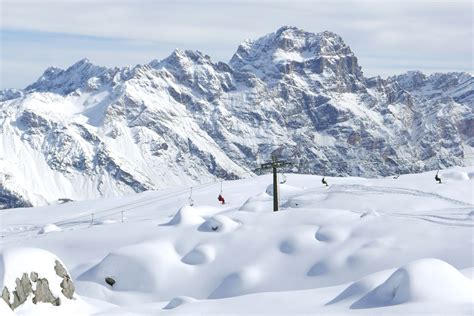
(437, 178)
(324, 181)
(220, 198)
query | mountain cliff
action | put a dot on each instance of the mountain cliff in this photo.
(91, 131)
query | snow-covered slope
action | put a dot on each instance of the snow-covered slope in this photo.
(91, 131)
(360, 246)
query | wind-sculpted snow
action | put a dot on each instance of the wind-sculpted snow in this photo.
(186, 119)
(357, 247)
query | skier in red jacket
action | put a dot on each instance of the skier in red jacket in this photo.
(220, 198)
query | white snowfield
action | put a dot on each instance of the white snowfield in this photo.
(359, 246)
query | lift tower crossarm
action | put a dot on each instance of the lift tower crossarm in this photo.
(274, 165)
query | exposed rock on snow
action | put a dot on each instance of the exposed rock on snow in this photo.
(42, 276)
(110, 281)
(43, 293)
(218, 223)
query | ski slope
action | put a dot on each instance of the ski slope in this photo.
(359, 246)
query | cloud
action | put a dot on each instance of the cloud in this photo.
(385, 35)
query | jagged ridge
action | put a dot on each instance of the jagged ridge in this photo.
(91, 131)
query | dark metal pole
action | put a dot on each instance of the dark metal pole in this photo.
(275, 189)
(275, 164)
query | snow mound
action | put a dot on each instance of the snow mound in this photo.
(259, 203)
(371, 213)
(284, 190)
(420, 281)
(200, 255)
(49, 228)
(178, 301)
(330, 234)
(218, 223)
(238, 283)
(140, 267)
(297, 241)
(307, 200)
(455, 175)
(186, 216)
(105, 222)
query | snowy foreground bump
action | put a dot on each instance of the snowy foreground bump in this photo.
(363, 246)
(422, 280)
(29, 275)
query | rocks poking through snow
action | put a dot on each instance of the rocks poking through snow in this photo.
(42, 286)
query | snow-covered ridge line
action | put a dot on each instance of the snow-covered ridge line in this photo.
(90, 131)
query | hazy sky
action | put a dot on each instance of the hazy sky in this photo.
(388, 37)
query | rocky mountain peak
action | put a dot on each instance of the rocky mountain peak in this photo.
(185, 119)
(182, 59)
(322, 56)
(410, 80)
(82, 74)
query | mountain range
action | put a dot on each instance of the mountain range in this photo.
(90, 131)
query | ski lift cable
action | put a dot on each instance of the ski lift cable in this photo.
(135, 205)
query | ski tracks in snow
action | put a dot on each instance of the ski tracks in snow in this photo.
(442, 216)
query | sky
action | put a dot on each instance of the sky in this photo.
(389, 37)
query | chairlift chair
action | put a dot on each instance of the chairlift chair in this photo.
(220, 197)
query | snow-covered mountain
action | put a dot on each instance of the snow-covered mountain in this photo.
(91, 131)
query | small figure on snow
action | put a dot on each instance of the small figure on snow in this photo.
(220, 198)
(437, 178)
(324, 181)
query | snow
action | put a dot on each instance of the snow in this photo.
(48, 228)
(403, 246)
(419, 281)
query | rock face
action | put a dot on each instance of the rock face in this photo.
(186, 119)
(39, 288)
(42, 287)
(43, 294)
(67, 286)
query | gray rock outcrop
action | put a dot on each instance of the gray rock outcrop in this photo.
(39, 288)
(43, 293)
